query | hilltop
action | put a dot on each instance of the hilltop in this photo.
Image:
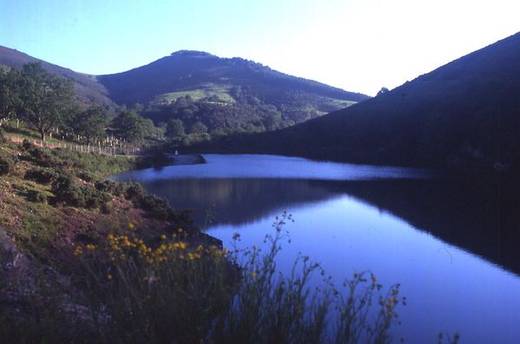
(225, 95)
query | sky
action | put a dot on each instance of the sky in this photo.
(357, 45)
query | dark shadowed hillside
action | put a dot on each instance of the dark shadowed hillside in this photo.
(466, 113)
(224, 94)
(89, 91)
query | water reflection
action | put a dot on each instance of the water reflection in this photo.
(479, 219)
(238, 201)
(440, 238)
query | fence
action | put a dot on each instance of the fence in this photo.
(111, 149)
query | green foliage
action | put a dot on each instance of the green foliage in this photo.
(198, 128)
(169, 291)
(45, 99)
(175, 129)
(217, 93)
(67, 192)
(134, 192)
(42, 176)
(9, 93)
(90, 124)
(95, 165)
(40, 157)
(223, 83)
(156, 207)
(36, 196)
(111, 187)
(129, 126)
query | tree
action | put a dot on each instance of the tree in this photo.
(383, 90)
(46, 99)
(149, 128)
(175, 128)
(9, 93)
(90, 123)
(199, 128)
(129, 126)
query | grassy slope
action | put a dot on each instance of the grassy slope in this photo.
(40, 228)
(221, 91)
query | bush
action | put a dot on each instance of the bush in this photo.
(5, 167)
(36, 196)
(134, 192)
(86, 176)
(95, 199)
(106, 208)
(174, 293)
(66, 192)
(117, 189)
(41, 176)
(39, 157)
(156, 207)
(26, 145)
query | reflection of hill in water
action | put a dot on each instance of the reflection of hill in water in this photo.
(237, 201)
(481, 218)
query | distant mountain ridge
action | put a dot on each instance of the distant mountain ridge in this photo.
(187, 69)
(225, 95)
(463, 114)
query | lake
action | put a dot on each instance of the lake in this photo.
(450, 245)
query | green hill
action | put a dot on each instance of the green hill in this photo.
(225, 94)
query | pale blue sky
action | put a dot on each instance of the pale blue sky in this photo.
(358, 45)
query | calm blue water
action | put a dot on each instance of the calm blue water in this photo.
(351, 218)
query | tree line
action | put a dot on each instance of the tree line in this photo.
(47, 103)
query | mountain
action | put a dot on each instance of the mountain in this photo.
(208, 94)
(88, 90)
(230, 94)
(186, 71)
(465, 114)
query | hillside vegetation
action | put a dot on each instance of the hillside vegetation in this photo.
(88, 90)
(211, 96)
(465, 114)
(225, 94)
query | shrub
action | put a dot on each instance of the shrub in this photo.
(156, 207)
(94, 198)
(5, 167)
(41, 176)
(66, 192)
(172, 292)
(26, 145)
(39, 157)
(106, 208)
(134, 191)
(36, 196)
(86, 176)
(109, 186)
